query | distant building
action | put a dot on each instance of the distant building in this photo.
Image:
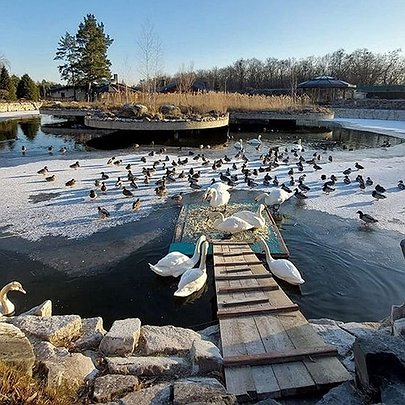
(173, 87)
(325, 89)
(381, 91)
(67, 93)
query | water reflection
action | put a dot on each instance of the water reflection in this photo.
(30, 128)
(8, 130)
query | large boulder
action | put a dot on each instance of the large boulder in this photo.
(167, 367)
(205, 357)
(109, 387)
(398, 327)
(158, 394)
(393, 392)
(166, 340)
(92, 333)
(44, 309)
(122, 338)
(212, 333)
(132, 111)
(15, 349)
(343, 394)
(201, 390)
(171, 110)
(58, 330)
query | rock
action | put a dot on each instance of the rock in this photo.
(44, 309)
(269, 401)
(15, 349)
(343, 394)
(132, 111)
(398, 327)
(166, 340)
(158, 394)
(92, 333)
(201, 390)
(393, 392)
(332, 334)
(211, 334)
(109, 387)
(58, 330)
(205, 357)
(359, 329)
(376, 356)
(170, 109)
(397, 312)
(149, 366)
(122, 337)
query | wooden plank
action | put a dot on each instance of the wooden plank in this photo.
(220, 242)
(178, 231)
(245, 302)
(230, 313)
(227, 254)
(280, 357)
(239, 263)
(243, 276)
(234, 270)
(246, 288)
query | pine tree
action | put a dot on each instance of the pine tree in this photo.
(68, 51)
(27, 89)
(93, 44)
(7, 88)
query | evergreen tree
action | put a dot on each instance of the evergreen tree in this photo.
(7, 88)
(92, 45)
(27, 89)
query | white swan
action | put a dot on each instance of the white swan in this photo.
(254, 219)
(6, 306)
(255, 141)
(282, 268)
(230, 224)
(193, 279)
(175, 263)
(238, 145)
(298, 148)
(275, 197)
(217, 198)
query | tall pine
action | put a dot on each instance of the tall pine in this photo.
(27, 89)
(7, 88)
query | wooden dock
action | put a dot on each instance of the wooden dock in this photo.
(269, 348)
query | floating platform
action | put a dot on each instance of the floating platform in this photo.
(269, 348)
(193, 222)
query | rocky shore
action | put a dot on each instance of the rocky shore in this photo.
(142, 364)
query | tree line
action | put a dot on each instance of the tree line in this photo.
(14, 87)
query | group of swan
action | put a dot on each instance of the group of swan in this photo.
(6, 306)
(240, 221)
(178, 264)
(255, 142)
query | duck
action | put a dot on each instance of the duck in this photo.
(175, 263)
(103, 213)
(63, 150)
(75, 165)
(6, 306)
(50, 178)
(92, 194)
(274, 198)
(254, 219)
(366, 218)
(380, 189)
(281, 268)
(23, 149)
(377, 195)
(44, 170)
(255, 141)
(136, 205)
(401, 185)
(70, 183)
(104, 176)
(127, 193)
(118, 183)
(230, 224)
(178, 197)
(103, 187)
(238, 145)
(193, 280)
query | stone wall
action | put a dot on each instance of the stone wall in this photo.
(20, 106)
(370, 103)
(395, 115)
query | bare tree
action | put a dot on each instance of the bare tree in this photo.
(150, 60)
(3, 61)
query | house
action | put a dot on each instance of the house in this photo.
(381, 91)
(68, 93)
(174, 87)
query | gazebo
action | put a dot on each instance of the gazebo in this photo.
(324, 89)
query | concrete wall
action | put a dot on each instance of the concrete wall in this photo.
(395, 115)
(20, 106)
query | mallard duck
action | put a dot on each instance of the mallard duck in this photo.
(193, 280)
(281, 268)
(136, 205)
(75, 165)
(70, 183)
(367, 219)
(103, 188)
(103, 213)
(176, 263)
(92, 194)
(104, 176)
(44, 170)
(127, 193)
(6, 306)
(50, 178)
(118, 183)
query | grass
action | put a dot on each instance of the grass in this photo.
(204, 102)
(17, 388)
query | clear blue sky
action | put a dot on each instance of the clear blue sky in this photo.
(205, 32)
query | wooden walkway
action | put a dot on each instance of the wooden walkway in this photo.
(269, 348)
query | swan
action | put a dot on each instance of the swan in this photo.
(6, 306)
(298, 148)
(274, 198)
(255, 141)
(282, 268)
(230, 224)
(238, 145)
(217, 198)
(175, 263)
(254, 219)
(193, 279)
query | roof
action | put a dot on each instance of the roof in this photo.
(325, 82)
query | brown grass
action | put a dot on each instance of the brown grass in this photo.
(17, 388)
(204, 102)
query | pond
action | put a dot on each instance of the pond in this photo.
(351, 273)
